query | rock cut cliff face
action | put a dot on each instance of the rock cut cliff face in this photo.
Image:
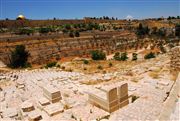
(43, 50)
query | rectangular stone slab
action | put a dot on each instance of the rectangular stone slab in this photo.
(34, 116)
(54, 109)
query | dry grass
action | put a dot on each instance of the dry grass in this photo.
(91, 82)
(66, 95)
(79, 66)
(154, 75)
(173, 77)
(66, 106)
(5, 83)
(134, 79)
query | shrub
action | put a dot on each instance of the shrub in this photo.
(98, 55)
(58, 66)
(154, 75)
(65, 31)
(85, 68)
(149, 55)
(134, 56)
(85, 61)
(77, 34)
(71, 34)
(63, 67)
(100, 67)
(26, 31)
(19, 57)
(72, 116)
(142, 30)
(161, 32)
(66, 106)
(51, 64)
(177, 30)
(124, 56)
(110, 64)
(104, 72)
(162, 48)
(67, 26)
(27, 65)
(44, 30)
(117, 56)
(120, 56)
(70, 70)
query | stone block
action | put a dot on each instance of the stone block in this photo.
(54, 109)
(27, 106)
(34, 116)
(110, 100)
(52, 93)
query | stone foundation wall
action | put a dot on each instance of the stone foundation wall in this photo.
(170, 103)
(175, 59)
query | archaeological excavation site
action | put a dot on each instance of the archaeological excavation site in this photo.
(90, 69)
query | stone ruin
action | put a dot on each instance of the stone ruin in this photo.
(110, 99)
(51, 93)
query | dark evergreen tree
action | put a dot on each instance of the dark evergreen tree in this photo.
(98, 55)
(134, 56)
(77, 34)
(19, 57)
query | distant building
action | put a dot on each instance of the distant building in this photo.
(20, 17)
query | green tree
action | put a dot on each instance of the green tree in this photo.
(77, 34)
(44, 30)
(124, 56)
(19, 57)
(142, 30)
(177, 30)
(149, 55)
(162, 32)
(169, 18)
(51, 64)
(134, 56)
(99, 67)
(65, 31)
(110, 64)
(85, 61)
(98, 55)
(67, 26)
(71, 34)
(154, 30)
(117, 56)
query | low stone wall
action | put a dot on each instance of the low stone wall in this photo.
(170, 103)
(175, 59)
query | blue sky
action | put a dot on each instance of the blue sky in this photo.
(66, 9)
